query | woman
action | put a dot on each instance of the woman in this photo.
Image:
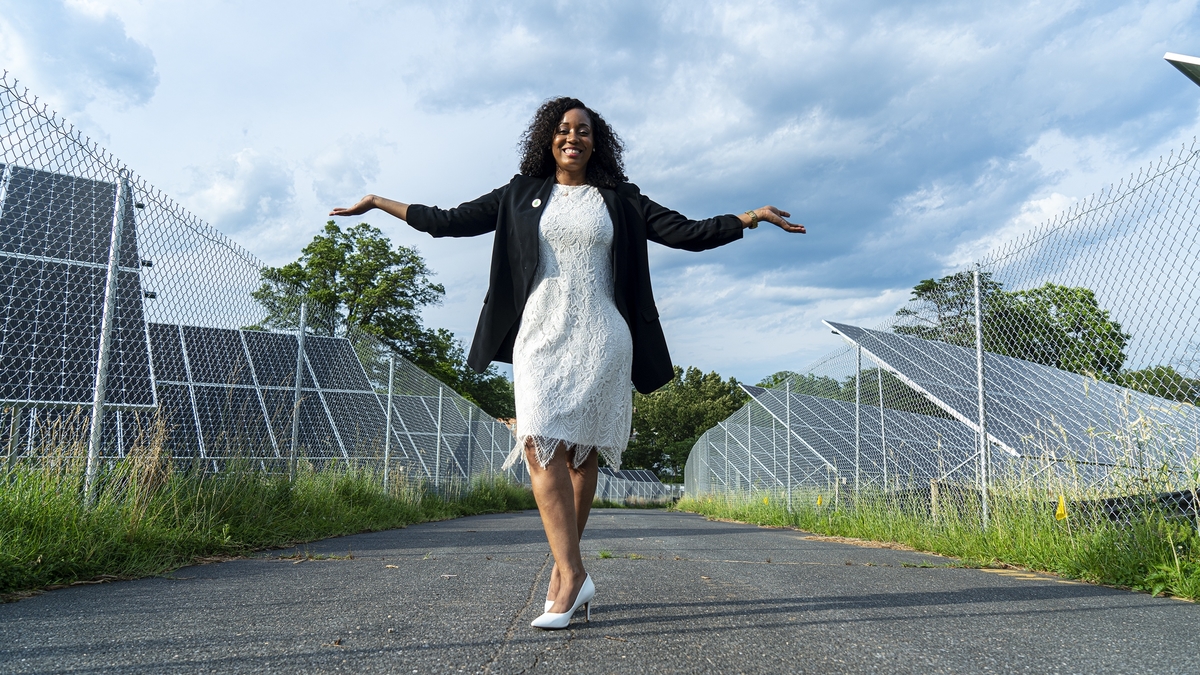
(569, 304)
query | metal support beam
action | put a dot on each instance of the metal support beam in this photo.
(387, 435)
(296, 398)
(107, 318)
(979, 380)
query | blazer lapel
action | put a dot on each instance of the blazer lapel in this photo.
(525, 235)
(620, 248)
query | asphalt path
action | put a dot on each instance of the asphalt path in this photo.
(678, 594)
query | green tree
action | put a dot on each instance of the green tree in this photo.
(1059, 326)
(365, 283)
(667, 423)
(1164, 382)
(896, 394)
(807, 383)
(945, 308)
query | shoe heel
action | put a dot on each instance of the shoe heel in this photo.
(588, 617)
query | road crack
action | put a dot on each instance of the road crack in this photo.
(512, 626)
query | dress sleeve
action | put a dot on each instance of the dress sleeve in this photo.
(673, 229)
(468, 219)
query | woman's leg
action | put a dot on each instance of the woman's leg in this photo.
(555, 495)
(583, 479)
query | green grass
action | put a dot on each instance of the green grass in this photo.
(1154, 552)
(632, 503)
(149, 518)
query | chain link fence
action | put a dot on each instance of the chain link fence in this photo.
(126, 320)
(1065, 362)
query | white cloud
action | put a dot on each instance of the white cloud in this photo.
(248, 191)
(75, 53)
(753, 326)
(346, 169)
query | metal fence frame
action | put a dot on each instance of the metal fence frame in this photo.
(1130, 248)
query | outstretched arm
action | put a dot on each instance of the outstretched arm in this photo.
(673, 229)
(466, 220)
(390, 206)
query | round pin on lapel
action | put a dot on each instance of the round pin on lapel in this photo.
(537, 203)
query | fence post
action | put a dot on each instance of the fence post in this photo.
(14, 428)
(882, 427)
(857, 416)
(979, 380)
(437, 457)
(774, 454)
(387, 428)
(727, 486)
(296, 397)
(107, 318)
(470, 433)
(749, 452)
(787, 433)
(492, 447)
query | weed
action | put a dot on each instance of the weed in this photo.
(151, 515)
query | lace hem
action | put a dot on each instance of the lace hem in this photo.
(544, 448)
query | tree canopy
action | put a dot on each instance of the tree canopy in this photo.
(1059, 326)
(667, 422)
(367, 283)
(879, 388)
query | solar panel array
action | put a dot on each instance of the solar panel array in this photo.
(631, 484)
(55, 232)
(779, 441)
(1033, 410)
(186, 349)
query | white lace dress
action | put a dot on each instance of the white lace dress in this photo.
(573, 353)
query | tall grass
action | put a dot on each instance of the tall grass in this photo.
(151, 515)
(1152, 550)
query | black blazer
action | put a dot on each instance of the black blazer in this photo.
(514, 212)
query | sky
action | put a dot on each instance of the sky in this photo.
(909, 138)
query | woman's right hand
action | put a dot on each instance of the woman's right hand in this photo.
(391, 206)
(365, 204)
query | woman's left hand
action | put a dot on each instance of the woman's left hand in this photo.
(772, 215)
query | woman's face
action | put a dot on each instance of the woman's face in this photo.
(572, 145)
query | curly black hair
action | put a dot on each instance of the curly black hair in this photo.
(605, 169)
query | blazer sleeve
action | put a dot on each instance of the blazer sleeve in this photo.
(468, 219)
(673, 229)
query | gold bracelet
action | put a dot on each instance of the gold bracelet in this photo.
(753, 220)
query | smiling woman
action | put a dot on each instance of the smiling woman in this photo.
(569, 304)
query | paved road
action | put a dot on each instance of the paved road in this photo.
(680, 594)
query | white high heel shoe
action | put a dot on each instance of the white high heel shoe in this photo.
(551, 621)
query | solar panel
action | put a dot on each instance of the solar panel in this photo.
(316, 433)
(274, 358)
(359, 417)
(54, 239)
(232, 421)
(335, 363)
(178, 417)
(1032, 409)
(917, 447)
(216, 356)
(1188, 65)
